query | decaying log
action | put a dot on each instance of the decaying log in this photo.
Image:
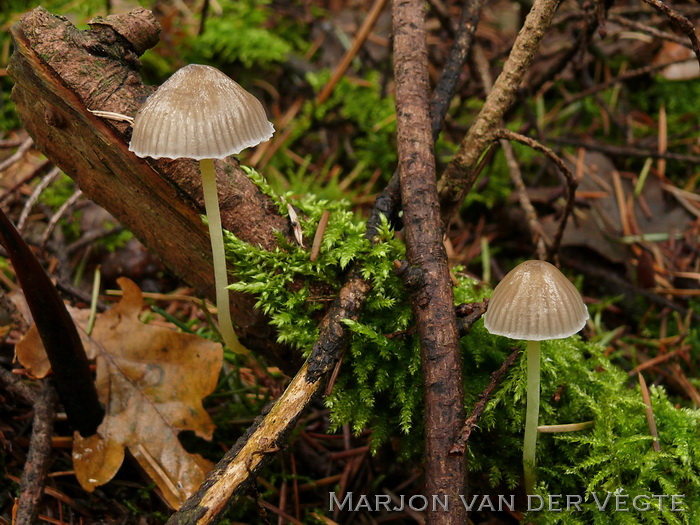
(60, 72)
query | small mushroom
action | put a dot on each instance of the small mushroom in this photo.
(534, 302)
(200, 113)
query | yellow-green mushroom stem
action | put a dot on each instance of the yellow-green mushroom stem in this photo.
(211, 205)
(532, 414)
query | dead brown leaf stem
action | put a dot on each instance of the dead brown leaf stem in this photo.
(460, 174)
(432, 301)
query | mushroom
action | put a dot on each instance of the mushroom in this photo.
(200, 113)
(534, 302)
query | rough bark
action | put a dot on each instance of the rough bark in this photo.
(60, 72)
(432, 297)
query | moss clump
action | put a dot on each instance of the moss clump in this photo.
(380, 386)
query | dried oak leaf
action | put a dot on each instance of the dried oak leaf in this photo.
(30, 350)
(151, 381)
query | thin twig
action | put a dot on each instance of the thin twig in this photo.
(516, 177)
(17, 155)
(444, 91)
(38, 461)
(627, 151)
(91, 237)
(680, 22)
(57, 216)
(633, 73)
(31, 201)
(460, 174)
(571, 182)
(664, 35)
(460, 444)
(18, 387)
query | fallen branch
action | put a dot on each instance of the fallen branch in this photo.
(431, 298)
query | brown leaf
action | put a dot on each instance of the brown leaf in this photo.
(151, 380)
(30, 349)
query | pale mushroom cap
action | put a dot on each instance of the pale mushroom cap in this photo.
(534, 302)
(199, 113)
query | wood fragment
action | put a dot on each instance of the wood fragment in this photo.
(433, 302)
(38, 461)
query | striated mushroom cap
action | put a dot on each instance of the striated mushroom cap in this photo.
(534, 302)
(199, 113)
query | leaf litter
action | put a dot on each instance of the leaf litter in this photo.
(151, 380)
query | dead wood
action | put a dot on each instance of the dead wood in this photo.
(431, 298)
(60, 72)
(38, 458)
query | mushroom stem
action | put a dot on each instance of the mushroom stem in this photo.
(532, 414)
(211, 205)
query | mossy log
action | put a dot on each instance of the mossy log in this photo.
(60, 73)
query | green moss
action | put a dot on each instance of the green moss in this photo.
(240, 33)
(380, 386)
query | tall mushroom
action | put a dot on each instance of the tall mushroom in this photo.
(534, 302)
(200, 113)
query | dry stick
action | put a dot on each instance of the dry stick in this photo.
(680, 22)
(541, 84)
(53, 222)
(460, 444)
(34, 197)
(357, 44)
(444, 91)
(433, 302)
(516, 177)
(21, 150)
(571, 182)
(38, 461)
(14, 384)
(266, 436)
(460, 174)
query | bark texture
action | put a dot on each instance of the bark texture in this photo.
(432, 297)
(60, 72)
